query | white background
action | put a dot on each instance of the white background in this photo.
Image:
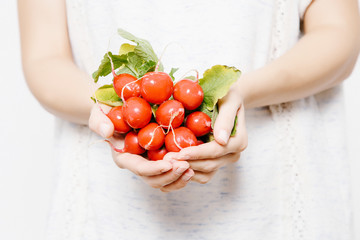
(26, 130)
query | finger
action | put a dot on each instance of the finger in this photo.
(228, 108)
(208, 150)
(99, 122)
(211, 165)
(201, 177)
(139, 165)
(239, 142)
(158, 181)
(180, 183)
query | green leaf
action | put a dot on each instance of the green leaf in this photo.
(137, 64)
(125, 69)
(217, 82)
(233, 131)
(214, 115)
(143, 48)
(105, 66)
(172, 71)
(146, 67)
(204, 109)
(107, 95)
(126, 48)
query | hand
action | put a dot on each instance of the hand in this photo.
(163, 174)
(207, 158)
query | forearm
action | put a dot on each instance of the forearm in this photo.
(321, 59)
(60, 87)
(50, 72)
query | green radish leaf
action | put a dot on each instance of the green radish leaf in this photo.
(143, 48)
(146, 67)
(214, 115)
(107, 95)
(216, 83)
(138, 65)
(204, 109)
(105, 66)
(172, 71)
(126, 48)
(125, 69)
(233, 131)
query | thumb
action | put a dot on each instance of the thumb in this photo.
(99, 122)
(228, 108)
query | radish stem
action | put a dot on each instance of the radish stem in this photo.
(112, 65)
(191, 70)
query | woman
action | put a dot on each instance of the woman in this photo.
(290, 183)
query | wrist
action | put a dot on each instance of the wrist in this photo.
(258, 88)
(243, 90)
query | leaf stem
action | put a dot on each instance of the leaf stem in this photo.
(112, 65)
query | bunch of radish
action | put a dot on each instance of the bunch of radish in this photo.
(165, 130)
(156, 114)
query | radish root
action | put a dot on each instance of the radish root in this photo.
(153, 136)
(114, 148)
(163, 52)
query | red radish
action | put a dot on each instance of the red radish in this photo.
(199, 123)
(151, 137)
(189, 93)
(126, 86)
(137, 112)
(131, 144)
(183, 137)
(157, 154)
(117, 118)
(170, 112)
(156, 87)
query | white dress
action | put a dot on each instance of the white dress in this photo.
(291, 183)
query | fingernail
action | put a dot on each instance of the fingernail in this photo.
(224, 136)
(104, 130)
(180, 171)
(188, 176)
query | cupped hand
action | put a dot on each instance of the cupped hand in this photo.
(207, 158)
(165, 175)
